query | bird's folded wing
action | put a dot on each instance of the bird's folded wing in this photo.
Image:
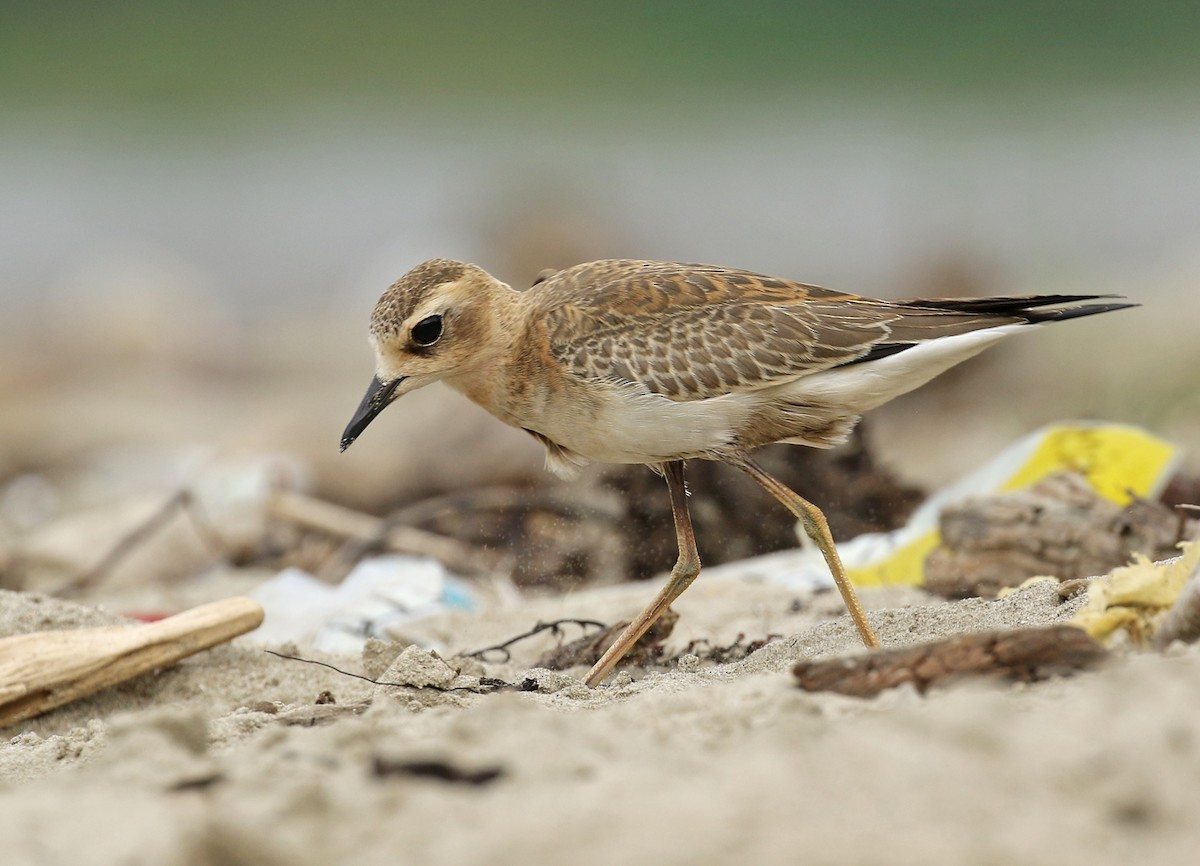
(691, 332)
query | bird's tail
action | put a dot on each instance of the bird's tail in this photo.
(1034, 309)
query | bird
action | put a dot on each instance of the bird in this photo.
(657, 363)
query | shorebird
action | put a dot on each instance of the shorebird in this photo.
(622, 361)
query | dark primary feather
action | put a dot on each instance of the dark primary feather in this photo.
(1031, 308)
(1028, 308)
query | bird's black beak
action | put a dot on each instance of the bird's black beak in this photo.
(378, 395)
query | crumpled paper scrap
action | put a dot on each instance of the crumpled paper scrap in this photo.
(1135, 597)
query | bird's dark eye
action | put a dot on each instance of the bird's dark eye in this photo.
(427, 331)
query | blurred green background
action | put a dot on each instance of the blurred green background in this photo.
(219, 56)
(203, 200)
(278, 149)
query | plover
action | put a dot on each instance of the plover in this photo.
(622, 361)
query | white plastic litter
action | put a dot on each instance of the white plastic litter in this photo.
(378, 594)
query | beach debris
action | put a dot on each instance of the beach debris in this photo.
(618, 527)
(361, 534)
(583, 650)
(243, 512)
(553, 536)
(1150, 601)
(383, 766)
(137, 539)
(1182, 621)
(312, 715)
(381, 594)
(456, 681)
(164, 531)
(44, 670)
(1120, 461)
(704, 650)
(588, 649)
(1024, 655)
(502, 652)
(1060, 526)
(256, 510)
(730, 520)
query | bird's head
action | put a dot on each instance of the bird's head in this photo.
(430, 324)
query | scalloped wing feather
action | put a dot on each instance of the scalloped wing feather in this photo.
(694, 332)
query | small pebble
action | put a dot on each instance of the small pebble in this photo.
(1175, 649)
(554, 682)
(419, 668)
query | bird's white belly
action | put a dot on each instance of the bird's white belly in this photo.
(623, 426)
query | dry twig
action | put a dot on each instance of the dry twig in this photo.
(365, 533)
(181, 501)
(554, 628)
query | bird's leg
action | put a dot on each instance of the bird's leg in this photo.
(685, 571)
(817, 528)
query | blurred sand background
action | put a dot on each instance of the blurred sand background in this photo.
(199, 205)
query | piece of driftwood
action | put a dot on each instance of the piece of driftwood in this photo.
(1058, 527)
(44, 670)
(1024, 654)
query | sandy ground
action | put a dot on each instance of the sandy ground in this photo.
(207, 763)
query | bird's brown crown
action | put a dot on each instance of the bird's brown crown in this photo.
(406, 294)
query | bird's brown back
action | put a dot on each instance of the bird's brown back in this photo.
(692, 332)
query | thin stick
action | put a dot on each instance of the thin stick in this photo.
(179, 501)
(487, 685)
